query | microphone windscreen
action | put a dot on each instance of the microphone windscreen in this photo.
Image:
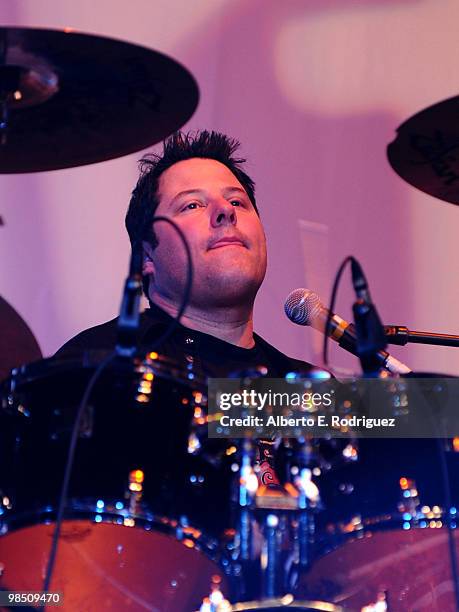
(302, 306)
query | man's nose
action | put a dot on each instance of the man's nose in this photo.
(223, 213)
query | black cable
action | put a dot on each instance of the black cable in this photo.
(68, 469)
(331, 308)
(84, 402)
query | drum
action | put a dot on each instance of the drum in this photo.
(148, 497)
(387, 558)
(404, 562)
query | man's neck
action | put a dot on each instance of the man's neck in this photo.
(233, 325)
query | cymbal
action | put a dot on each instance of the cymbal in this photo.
(17, 342)
(425, 152)
(74, 99)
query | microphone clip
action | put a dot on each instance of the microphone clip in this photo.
(368, 326)
(129, 317)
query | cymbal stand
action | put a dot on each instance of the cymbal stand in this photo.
(275, 524)
(244, 547)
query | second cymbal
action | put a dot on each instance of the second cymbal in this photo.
(425, 152)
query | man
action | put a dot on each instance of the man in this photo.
(199, 184)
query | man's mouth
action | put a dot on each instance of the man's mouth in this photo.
(227, 241)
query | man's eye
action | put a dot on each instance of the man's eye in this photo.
(191, 206)
(236, 202)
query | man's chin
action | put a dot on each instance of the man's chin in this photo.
(228, 291)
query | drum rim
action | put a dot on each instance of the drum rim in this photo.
(87, 510)
(329, 542)
(162, 366)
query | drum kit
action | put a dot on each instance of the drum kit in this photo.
(158, 515)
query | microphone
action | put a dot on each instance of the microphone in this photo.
(304, 307)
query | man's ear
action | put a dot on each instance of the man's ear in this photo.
(148, 267)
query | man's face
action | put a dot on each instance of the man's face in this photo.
(224, 232)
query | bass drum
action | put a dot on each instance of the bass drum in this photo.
(148, 500)
(382, 535)
(404, 563)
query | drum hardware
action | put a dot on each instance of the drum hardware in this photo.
(275, 525)
(248, 486)
(288, 520)
(308, 501)
(244, 544)
(134, 492)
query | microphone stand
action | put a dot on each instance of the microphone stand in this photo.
(128, 321)
(370, 331)
(401, 335)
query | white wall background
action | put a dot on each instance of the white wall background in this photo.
(314, 89)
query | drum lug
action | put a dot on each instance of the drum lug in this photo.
(134, 492)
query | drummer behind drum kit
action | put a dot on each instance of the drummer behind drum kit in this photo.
(185, 523)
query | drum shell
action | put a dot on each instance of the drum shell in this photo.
(406, 562)
(364, 546)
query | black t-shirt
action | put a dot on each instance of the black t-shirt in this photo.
(213, 357)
